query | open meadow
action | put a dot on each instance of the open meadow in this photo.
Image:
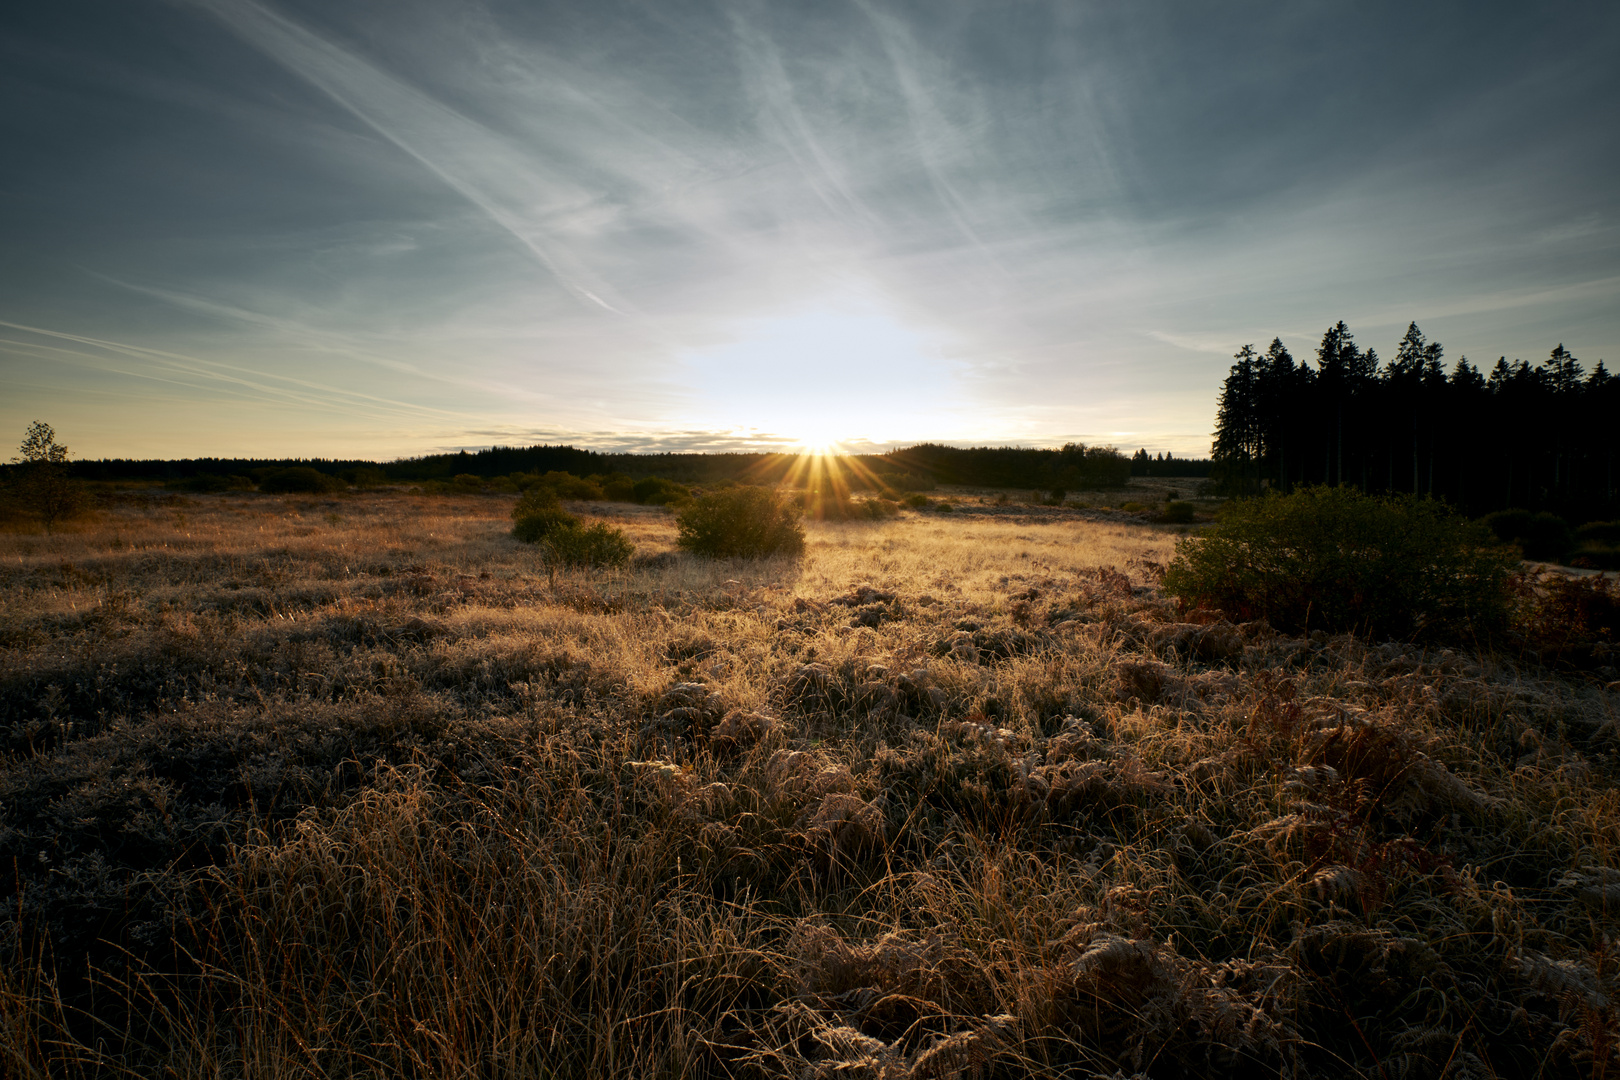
(351, 786)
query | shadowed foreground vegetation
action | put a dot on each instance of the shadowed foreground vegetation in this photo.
(350, 786)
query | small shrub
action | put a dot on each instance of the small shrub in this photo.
(1598, 546)
(569, 486)
(917, 501)
(1057, 497)
(1177, 513)
(538, 513)
(1337, 560)
(1133, 508)
(365, 477)
(1602, 532)
(1508, 525)
(587, 545)
(299, 479)
(656, 491)
(617, 487)
(1542, 535)
(742, 522)
(535, 527)
(467, 482)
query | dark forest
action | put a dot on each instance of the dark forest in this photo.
(1536, 438)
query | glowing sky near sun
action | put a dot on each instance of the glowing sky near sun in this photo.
(353, 228)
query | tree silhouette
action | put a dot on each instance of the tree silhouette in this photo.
(1539, 438)
(43, 483)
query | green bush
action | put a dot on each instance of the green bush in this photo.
(1334, 559)
(741, 522)
(299, 479)
(1602, 532)
(538, 513)
(1542, 535)
(917, 501)
(1599, 546)
(617, 486)
(1177, 513)
(656, 491)
(1508, 525)
(365, 476)
(587, 545)
(565, 485)
(569, 486)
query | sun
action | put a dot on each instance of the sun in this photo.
(818, 443)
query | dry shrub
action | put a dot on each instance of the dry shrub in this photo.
(1574, 621)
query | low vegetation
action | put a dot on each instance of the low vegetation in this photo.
(347, 785)
(596, 545)
(40, 485)
(564, 540)
(539, 513)
(1334, 559)
(741, 522)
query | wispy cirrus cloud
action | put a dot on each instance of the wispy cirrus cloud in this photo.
(619, 220)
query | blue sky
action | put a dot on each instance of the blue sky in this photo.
(384, 228)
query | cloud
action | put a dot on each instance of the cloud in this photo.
(517, 192)
(542, 216)
(218, 377)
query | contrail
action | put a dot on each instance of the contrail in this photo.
(479, 165)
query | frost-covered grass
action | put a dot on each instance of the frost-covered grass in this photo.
(348, 787)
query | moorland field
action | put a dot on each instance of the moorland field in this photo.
(351, 786)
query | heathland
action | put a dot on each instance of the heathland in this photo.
(350, 785)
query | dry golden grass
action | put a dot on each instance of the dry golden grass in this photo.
(349, 787)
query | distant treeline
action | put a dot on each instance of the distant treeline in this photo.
(1167, 464)
(1073, 467)
(1541, 438)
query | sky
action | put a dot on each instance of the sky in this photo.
(381, 228)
